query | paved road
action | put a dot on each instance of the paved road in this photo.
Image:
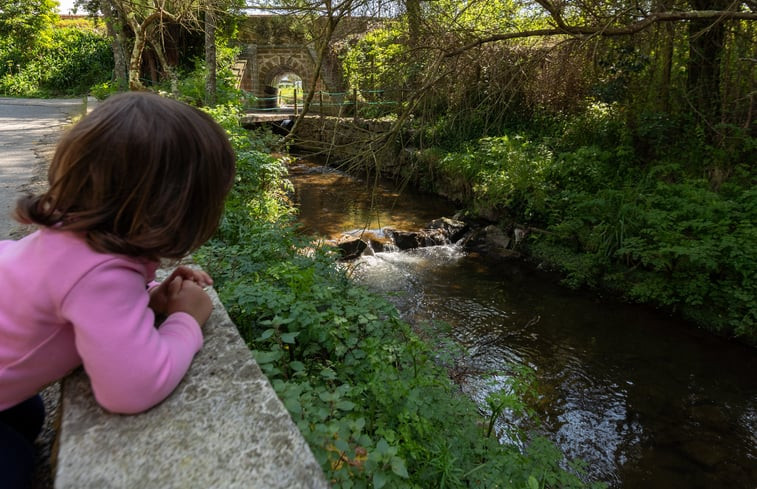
(26, 126)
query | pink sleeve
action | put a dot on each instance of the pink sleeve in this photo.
(132, 365)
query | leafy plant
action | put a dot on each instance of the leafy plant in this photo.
(500, 173)
(68, 62)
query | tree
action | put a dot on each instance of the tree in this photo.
(706, 21)
(146, 22)
(116, 33)
(22, 21)
(706, 45)
(135, 25)
(210, 57)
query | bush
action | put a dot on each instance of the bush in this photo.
(657, 233)
(678, 245)
(68, 63)
(103, 90)
(501, 173)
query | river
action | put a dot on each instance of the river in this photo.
(645, 400)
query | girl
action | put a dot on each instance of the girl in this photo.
(140, 179)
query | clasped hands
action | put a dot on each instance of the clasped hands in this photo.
(183, 291)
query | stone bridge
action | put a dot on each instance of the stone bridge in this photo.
(259, 68)
(273, 48)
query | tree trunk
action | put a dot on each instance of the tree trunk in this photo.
(706, 43)
(210, 57)
(166, 68)
(114, 27)
(135, 62)
(667, 66)
(141, 36)
(413, 9)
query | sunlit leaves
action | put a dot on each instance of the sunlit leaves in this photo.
(483, 18)
(23, 22)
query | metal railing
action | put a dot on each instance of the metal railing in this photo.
(356, 100)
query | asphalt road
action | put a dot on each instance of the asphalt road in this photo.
(27, 127)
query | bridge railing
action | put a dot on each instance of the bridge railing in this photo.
(366, 103)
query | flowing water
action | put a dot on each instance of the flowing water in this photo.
(646, 401)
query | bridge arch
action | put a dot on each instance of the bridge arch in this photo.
(259, 66)
(272, 72)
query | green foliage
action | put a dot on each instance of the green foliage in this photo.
(658, 233)
(599, 124)
(620, 65)
(677, 245)
(379, 66)
(480, 18)
(260, 189)
(378, 60)
(24, 23)
(375, 408)
(501, 173)
(508, 397)
(192, 84)
(103, 90)
(69, 62)
(704, 245)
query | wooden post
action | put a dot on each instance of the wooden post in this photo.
(354, 97)
(295, 101)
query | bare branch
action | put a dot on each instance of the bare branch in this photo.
(566, 30)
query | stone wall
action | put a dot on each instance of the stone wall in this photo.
(347, 139)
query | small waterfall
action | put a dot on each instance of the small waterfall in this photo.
(439, 232)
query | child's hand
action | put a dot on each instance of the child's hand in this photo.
(187, 296)
(167, 292)
(186, 273)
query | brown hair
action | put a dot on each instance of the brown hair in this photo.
(142, 175)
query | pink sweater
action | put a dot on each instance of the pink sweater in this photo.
(63, 304)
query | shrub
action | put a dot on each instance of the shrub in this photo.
(501, 173)
(678, 245)
(192, 84)
(69, 62)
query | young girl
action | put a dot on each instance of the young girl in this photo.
(140, 179)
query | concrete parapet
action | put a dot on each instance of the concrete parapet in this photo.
(223, 427)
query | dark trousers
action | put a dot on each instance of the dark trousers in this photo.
(19, 427)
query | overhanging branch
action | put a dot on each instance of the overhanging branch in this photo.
(563, 29)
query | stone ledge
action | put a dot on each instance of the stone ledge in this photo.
(223, 427)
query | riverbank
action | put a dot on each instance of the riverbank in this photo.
(655, 233)
(363, 387)
(626, 388)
